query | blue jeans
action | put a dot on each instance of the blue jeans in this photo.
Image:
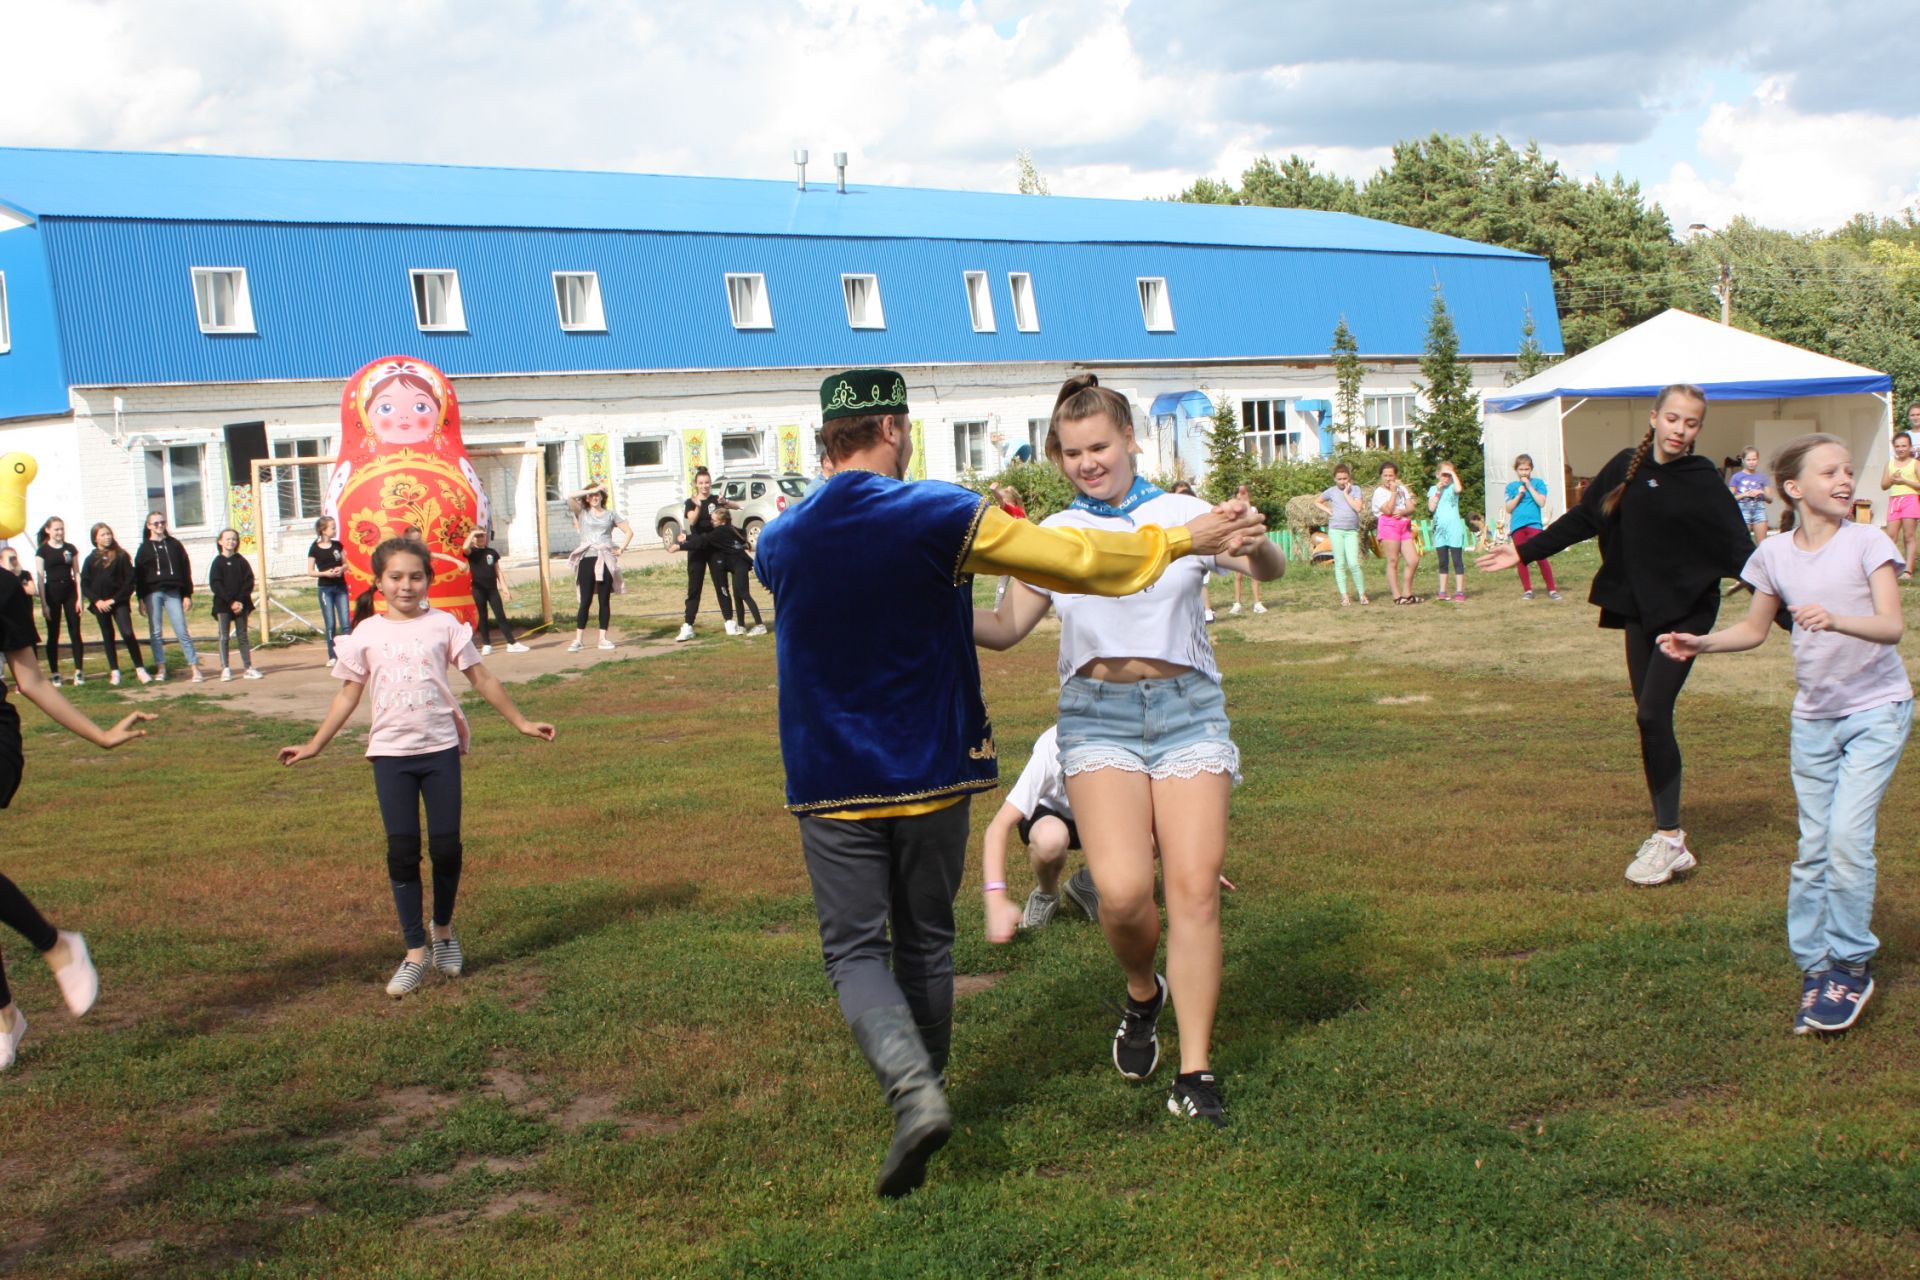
(1841, 769)
(169, 601)
(336, 615)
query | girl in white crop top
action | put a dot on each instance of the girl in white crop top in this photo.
(1144, 740)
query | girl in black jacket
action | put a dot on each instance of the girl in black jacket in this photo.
(230, 581)
(729, 548)
(106, 584)
(1669, 530)
(60, 596)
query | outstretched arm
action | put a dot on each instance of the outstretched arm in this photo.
(1008, 623)
(1104, 562)
(489, 687)
(346, 699)
(1748, 633)
(35, 688)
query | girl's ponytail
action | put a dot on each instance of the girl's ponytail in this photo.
(1611, 503)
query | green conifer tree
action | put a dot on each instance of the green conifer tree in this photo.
(1446, 417)
(1348, 375)
(1228, 465)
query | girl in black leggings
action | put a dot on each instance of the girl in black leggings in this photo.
(702, 557)
(65, 953)
(106, 584)
(60, 595)
(1669, 530)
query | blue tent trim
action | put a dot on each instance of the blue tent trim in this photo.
(1194, 404)
(1866, 384)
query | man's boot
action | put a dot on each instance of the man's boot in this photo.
(938, 1038)
(922, 1121)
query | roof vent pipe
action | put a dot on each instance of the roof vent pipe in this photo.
(840, 167)
(800, 164)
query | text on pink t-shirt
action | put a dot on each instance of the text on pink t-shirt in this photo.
(404, 664)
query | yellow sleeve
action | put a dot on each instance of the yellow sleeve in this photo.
(1098, 562)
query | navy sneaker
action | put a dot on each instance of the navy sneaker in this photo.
(1842, 996)
(1136, 1045)
(1809, 996)
(1196, 1096)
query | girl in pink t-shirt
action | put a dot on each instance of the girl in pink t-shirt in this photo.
(416, 742)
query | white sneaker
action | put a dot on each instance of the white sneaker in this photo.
(79, 677)
(1660, 860)
(252, 673)
(198, 676)
(1236, 607)
(1258, 607)
(759, 629)
(79, 980)
(575, 647)
(1209, 615)
(10, 1038)
(160, 674)
(226, 673)
(330, 662)
(606, 644)
(686, 632)
(485, 649)
(517, 647)
(733, 628)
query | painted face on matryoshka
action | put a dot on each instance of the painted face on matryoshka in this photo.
(403, 411)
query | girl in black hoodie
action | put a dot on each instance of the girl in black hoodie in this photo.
(1669, 530)
(106, 584)
(230, 582)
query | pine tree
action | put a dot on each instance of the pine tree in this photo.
(1531, 358)
(1446, 415)
(1228, 465)
(1348, 375)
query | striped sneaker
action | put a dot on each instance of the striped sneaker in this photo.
(448, 959)
(1196, 1096)
(1041, 908)
(1809, 996)
(1136, 1045)
(407, 978)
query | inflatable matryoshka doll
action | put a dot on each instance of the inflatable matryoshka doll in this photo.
(402, 462)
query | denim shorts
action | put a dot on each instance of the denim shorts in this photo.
(1753, 510)
(1163, 728)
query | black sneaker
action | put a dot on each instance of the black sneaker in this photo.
(1136, 1045)
(1196, 1096)
(1081, 893)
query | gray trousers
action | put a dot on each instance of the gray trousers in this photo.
(881, 877)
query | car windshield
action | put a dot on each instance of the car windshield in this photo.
(795, 486)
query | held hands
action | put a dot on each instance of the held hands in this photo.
(1683, 646)
(1003, 917)
(124, 732)
(1232, 528)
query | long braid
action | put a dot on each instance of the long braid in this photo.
(1611, 502)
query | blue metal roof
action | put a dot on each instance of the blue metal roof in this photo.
(101, 289)
(203, 188)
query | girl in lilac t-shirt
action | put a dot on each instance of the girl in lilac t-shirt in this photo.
(417, 739)
(1851, 714)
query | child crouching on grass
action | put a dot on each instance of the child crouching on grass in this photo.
(1851, 713)
(417, 739)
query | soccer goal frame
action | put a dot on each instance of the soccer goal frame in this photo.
(261, 465)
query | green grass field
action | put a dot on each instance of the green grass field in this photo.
(1455, 1041)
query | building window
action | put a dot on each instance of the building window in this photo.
(577, 295)
(556, 459)
(221, 300)
(297, 489)
(740, 448)
(1154, 307)
(176, 484)
(747, 301)
(1265, 435)
(969, 447)
(979, 302)
(436, 300)
(1025, 318)
(1037, 429)
(6, 333)
(651, 451)
(863, 302)
(1389, 421)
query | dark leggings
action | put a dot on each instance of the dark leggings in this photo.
(742, 571)
(700, 562)
(485, 596)
(590, 586)
(402, 783)
(20, 915)
(1456, 554)
(1657, 680)
(70, 610)
(120, 616)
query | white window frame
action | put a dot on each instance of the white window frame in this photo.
(293, 485)
(1372, 408)
(980, 301)
(761, 306)
(456, 317)
(1037, 429)
(1026, 312)
(1272, 436)
(757, 462)
(666, 453)
(966, 433)
(169, 485)
(875, 315)
(595, 318)
(6, 326)
(1156, 306)
(242, 319)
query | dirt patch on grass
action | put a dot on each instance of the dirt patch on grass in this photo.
(494, 1208)
(969, 984)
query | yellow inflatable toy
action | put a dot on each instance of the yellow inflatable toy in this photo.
(17, 471)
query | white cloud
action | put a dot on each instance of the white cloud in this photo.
(1794, 170)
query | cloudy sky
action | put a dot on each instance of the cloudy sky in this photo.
(1795, 114)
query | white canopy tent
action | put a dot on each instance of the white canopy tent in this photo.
(1573, 417)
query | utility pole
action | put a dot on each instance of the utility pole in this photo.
(1724, 292)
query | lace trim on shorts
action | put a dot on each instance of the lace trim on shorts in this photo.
(1115, 759)
(1201, 757)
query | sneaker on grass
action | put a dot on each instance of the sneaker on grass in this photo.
(686, 632)
(407, 978)
(1809, 995)
(1081, 893)
(448, 958)
(1041, 908)
(1842, 996)
(516, 647)
(1660, 860)
(1196, 1096)
(11, 1034)
(1136, 1045)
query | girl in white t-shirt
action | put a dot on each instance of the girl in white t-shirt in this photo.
(1851, 714)
(417, 739)
(1144, 740)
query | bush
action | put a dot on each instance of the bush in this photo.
(1044, 489)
